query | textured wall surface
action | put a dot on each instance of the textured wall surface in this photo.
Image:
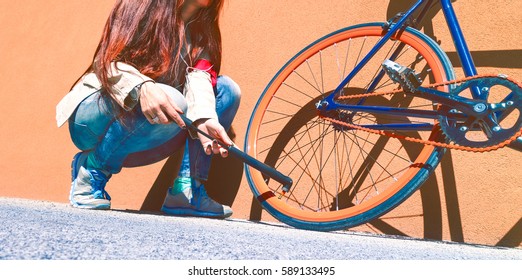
(46, 45)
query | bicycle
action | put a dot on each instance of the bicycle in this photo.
(360, 139)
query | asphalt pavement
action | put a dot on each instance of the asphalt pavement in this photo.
(37, 230)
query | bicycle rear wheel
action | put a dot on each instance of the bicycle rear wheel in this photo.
(342, 177)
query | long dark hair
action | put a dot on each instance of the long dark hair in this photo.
(149, 35)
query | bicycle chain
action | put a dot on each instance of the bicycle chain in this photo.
(428, 142)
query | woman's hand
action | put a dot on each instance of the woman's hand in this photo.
(214, 129)
(159, 107)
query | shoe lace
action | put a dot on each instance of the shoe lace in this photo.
(200, 195)
(98, 182)
(202, 192)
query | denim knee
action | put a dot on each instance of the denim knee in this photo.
(226, 85)
(228, 97)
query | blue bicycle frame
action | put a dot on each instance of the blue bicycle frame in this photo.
(463, 104)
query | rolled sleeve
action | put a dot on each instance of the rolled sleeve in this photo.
(199, 94)
(126, 81)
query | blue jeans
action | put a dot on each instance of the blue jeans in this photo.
(114, 138)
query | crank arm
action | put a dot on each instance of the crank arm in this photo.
(411, 84)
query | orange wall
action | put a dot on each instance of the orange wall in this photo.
(46, 45)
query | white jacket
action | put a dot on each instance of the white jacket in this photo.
(126, 80)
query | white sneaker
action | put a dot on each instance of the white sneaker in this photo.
(193, 201)
(88, 186)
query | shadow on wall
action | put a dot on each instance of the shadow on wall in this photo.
(431, 203)
(226, 174)
(223, 182)
(496, 58)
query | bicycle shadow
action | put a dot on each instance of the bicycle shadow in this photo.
(483, 58)
(429, 191)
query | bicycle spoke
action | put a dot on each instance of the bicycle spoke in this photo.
(312, 73)
(306, 80)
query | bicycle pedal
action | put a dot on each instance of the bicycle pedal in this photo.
(402, 75)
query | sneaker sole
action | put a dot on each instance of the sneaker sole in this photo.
(193, 213)
(97, 207)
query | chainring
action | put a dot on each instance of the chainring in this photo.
(498, 116)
